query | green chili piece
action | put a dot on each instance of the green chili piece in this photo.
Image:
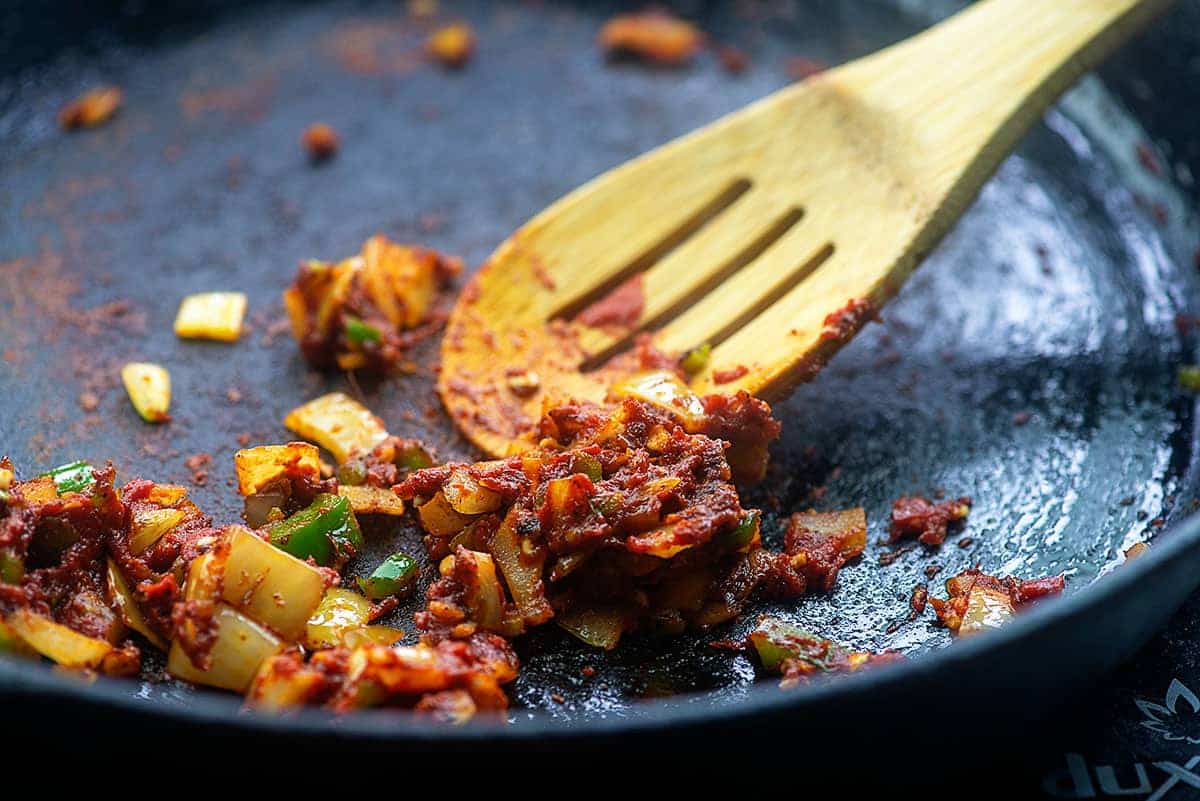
(775, 641)
(12, 567)
(359, 332)
(1189, 377)
(589, 465)
(353, 472)
(607, 505)
(73, 477)
(741, 536)
(696, 359)
(326, 530)
(411, 455)
(394, 576)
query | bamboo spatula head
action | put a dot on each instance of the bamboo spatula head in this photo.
(770, 236)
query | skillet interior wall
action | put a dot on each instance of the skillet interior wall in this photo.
(1082, 338)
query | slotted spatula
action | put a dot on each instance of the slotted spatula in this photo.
(772, 234)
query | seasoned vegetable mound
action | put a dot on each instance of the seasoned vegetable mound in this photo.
(90, 574)
(619, 520)
(366, 311)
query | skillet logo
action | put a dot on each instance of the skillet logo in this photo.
(1176, 720)
(1169, 720)
(1167, 780)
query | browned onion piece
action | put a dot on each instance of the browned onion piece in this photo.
(257, 507)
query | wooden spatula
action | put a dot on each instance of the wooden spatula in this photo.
(772, 234)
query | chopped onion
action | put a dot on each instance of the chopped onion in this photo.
(257, 508)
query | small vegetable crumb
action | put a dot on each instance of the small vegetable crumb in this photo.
(91, 108)
(798, 67)
(523, 383)
(88, 401)
(1021, 418)
(211, 315)
(651, 36)
(916, 516)
(197, 464)
(732, 59)
(422, 9)
(452, 45)
(1189, 377)
(918, 599)
(149, 388)
(696, 359)
(321, 142)
(978, 601)
(1136, 550)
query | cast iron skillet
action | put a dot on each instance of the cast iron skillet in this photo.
(1030, 363)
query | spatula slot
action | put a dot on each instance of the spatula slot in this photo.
(688, 227)
(726, 272)
(768, 299)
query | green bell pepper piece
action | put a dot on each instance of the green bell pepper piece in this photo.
(326, 530)
(394, 576)
(411, 455)
(73, 477)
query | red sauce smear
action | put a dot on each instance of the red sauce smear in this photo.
(622, 307)
(799, 67)
(916, 516)
(842, 323)
(1148, 159)
(543, 276)
(729, 374)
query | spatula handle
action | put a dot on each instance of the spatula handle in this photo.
(959, 96)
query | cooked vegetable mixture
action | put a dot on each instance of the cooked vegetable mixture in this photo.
(623, 518)
(619, 520)
(258, 610)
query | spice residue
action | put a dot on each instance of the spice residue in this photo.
(621, 308)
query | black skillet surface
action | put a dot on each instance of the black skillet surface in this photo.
(1053, 302)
